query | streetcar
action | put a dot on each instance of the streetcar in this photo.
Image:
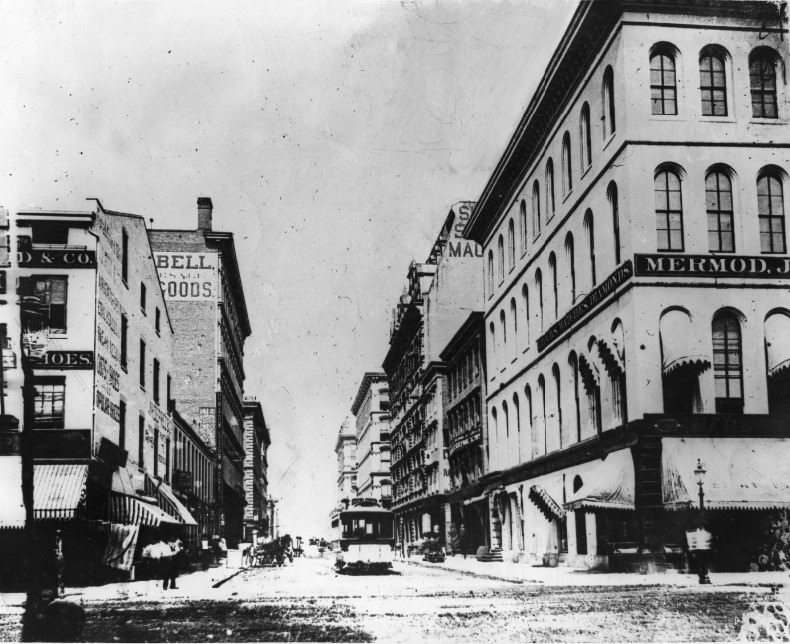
(367, 539)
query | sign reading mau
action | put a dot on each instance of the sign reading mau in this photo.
(187, 277)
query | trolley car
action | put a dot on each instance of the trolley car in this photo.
(367, 539)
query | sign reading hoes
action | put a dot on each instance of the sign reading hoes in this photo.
(187, 277)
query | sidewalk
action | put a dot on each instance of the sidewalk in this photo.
(197, 584)
(566, 576)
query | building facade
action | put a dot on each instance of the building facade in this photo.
(346, 482)
(371, 411)
(465, 419)
(256, 466)
(628, 339)
(201, 283)
(439, 295)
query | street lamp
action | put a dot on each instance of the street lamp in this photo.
(702, 563)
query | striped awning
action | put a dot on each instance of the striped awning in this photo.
(133, 510)
(609, 486)
(741, 473)
(59, 490)
(167, 500)
(545, 503)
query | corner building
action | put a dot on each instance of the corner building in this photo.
(202, 285)
(629, 336)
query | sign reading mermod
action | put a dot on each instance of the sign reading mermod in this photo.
(765, 266)
(187, 277)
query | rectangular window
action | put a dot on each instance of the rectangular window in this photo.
(50, 295)
(141, 441)
(167, 460)
(142, 297)
(158, 320)
(122, 425)
(142, 363)
(49, 403)
(156, 451)
(156, 381)
(169, 399)
(124, 256)
(124, 345)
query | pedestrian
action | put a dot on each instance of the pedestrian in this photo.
(215, 548)
(173, 562)
(205, 552)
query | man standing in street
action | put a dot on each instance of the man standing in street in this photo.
(172, 563)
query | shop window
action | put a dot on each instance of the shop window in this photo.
(49, 297)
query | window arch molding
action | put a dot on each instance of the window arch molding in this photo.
(585, 138)
(766, 70)
(551, 201)
(715, 73)
(771, 208)
(668, 181)
(664, 70)
(522, 221)
(535, 209)
(566, 165)
(613, 198)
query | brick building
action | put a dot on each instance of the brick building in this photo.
(256, 466)
(200, 280)
(371, 411)
(627, 340)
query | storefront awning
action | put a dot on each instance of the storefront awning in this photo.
(741, 473)
(609, 486)
(681, 346)
(122, 482)
(12, 507)
(777, 343)
(545, 503)
(59, 490)
(132, 510)
(172, 505)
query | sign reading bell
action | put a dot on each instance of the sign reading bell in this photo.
(187, 277)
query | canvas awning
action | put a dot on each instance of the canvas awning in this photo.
(133, 510)
(741, 473)
(122, 482)
(169, 502)
(681, 345)
(777, 343)
(545, 502)
(608, 486)
(12, 506)
(59, 490)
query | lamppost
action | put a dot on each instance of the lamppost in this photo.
(702, 554)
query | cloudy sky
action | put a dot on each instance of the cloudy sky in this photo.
(332, 137)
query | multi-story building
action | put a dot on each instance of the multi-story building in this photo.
(439, 295)
(256, 465)
(626, 340)
(194, 472)
(346, 453)
(98, 339)
(465, 420)
(200, 280)
(371, 410)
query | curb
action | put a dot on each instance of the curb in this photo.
(470, 573)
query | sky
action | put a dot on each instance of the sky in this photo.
(331, 136)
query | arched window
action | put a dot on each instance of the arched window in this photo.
(542, 416)
(567, 166)
(530, 414)
(492, 342)
(500, 249)
(727, 364)
(712, 82)
(589, 227)
(514, 319)
(771, 212)
(573, 363)
(539, 287)
(663, 80)
(669, 210)
(570, 257)
(777, 353)
(490, 272)
(718, 199)
(762, 80)
(522, 220)
(503, 330)
(555, 372)
(506, 418)
(525, 302)
(517, 419)
(550, 205)
(611, 193)
(511, 244)
(609, 125)
(535, 210)
(585, 141)
(553, 269)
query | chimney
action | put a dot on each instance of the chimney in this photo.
(204, 213)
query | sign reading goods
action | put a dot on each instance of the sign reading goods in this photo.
(187, 277)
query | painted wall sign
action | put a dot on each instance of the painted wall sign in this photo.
(457, 246)
(621, 274)
(763, 266)
(187, 277)
(56, 258)
(64, 360)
